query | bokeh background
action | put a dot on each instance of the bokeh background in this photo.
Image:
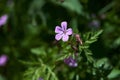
(31, 25)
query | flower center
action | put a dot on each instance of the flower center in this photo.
(64, 31)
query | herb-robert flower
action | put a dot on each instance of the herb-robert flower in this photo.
(70, 62)
(3, 60)
(62, 32)
(3, 20)
(40, 79)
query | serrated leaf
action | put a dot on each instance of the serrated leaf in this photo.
(86, 35)
(83, 47)
(90, 59)
(38, 51)
(62, 57)
(90, 41)
(96, 34)
(87, 52)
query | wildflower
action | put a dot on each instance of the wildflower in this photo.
(71, 62)
(62, 32)
(3, 60)
(40, 79)
(94, 24)
(3, 20)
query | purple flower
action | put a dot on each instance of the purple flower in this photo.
(62, 32)
(3, 19)
(71, 62)
(40, 79)
(94, 24)
(3, 60)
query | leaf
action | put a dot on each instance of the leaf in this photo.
(86, 35)
(2, 78)
(90, 41)
(88, 52)
(116, 43)
(62, 57)
(96, 34)
(90, 59)
(103, 63)
(92, 37)
(114, 73)
(38, 51)
(73, 5)
(53, 75)
(83, 47)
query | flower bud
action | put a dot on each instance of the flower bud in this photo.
(78, 39)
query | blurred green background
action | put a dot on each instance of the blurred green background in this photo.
(31, 24)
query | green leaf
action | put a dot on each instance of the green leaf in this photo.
(88, 52)
(90, 41)
(96, 34)
(104, 62)
(38, 51)
(91, 37)
(2, 78)
(62, 57)
(83, 47)
(73, 5)
(90, 59)
(114, 73)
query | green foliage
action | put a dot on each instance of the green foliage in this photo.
(114, 73)
(91, 37)
(28, 40)
(70, 5)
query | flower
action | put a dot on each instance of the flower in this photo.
(71, 62)
(94, 24)
(40, 79)
(3, 20)
(62, 32)
(3, 60)
(78, 39)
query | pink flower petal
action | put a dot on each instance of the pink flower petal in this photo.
(65, 38)
(3, 19)
(58, 36)
(64, 25)
(58, 30)
(3, 60)
(69, 31)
